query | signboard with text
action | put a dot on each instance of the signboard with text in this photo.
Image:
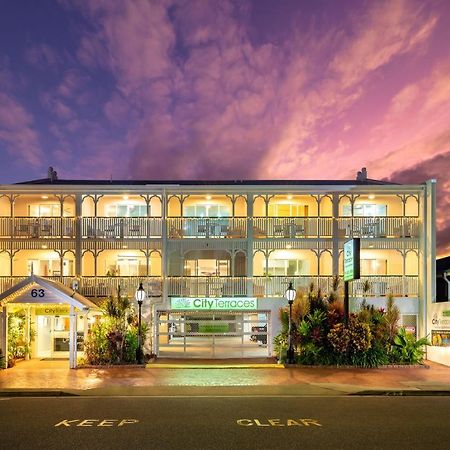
(220, 303)
(352, 260)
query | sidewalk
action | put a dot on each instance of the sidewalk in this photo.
(55, 375)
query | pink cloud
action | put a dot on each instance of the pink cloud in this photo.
(17, 131)
(42, 56)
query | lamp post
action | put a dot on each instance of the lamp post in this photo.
(139, 296)
(290, 295)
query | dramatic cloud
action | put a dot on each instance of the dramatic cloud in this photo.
(435, 168)
(227, 89)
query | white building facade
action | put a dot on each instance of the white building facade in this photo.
(215, 258)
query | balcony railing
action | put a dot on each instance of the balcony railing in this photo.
(105, 286)
(121, 227)
(206, 227)
(273, 286)
(391, 227)
(37, 227)
(207, 286)
(292, 227)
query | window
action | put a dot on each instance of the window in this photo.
(127, 266)
(207, 267)
(373, 267)
(286, 267)
(50, 267)
(288, 210)
(209, 210)
(126, 210)
(365, 210)
(46, 210)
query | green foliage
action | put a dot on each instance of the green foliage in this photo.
(114, 340)
(2, 360)
(18, 344)
(408, 350)
(372, 338)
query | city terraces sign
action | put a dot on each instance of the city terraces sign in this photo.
(221, 303)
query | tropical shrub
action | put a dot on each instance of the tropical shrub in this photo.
(114, 339)
(408, 350)
(372, 338)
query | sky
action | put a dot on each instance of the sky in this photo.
(221, 89)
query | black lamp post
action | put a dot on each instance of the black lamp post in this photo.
(290, 295)
(140, 296)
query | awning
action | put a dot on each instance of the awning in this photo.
(38, 290)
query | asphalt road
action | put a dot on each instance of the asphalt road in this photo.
(225, 423)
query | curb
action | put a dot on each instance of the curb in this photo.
(215, 366)
(387, 367)
(404, 393)
(36, 393)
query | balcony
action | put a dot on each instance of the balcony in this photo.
(37, 227)
(207, 227)
(121, 227)
(379, 227)
(98, 286)
(273, 286)
(207, 286)
(292, 227)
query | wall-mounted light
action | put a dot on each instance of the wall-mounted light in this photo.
(125, 197)
(289, 197)
(208, 197)
(44, 197)
(371, 197)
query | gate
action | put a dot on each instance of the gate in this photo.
(213, 334)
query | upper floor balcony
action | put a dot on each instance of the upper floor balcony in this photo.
(214, 286)
(121, 227)
(37, 227)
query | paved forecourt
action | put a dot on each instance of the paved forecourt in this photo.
(218, 422)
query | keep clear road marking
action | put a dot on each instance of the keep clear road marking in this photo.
(278, 422)
(96, 422)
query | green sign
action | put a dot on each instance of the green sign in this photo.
(351, 259)
(220, 303)
(446, 313)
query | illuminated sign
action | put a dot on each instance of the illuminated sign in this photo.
(220, 303)
(351, 260)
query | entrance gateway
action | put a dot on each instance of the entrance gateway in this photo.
(54, 314)
(220, 327)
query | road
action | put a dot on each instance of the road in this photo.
(216, 422)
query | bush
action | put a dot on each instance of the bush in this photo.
(408, 350)
(372, 338)
(114, 340)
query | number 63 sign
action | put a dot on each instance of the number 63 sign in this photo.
(37, 293)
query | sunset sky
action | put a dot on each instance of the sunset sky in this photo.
(263, 89)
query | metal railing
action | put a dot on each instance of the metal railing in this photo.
(37, 227)
(391, 227)
(292, 227)
(262, 286)
(121, 227)
(206, 227)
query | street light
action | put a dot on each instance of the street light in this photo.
(290, 295)
(139, 296)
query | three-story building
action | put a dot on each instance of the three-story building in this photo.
(216, 257)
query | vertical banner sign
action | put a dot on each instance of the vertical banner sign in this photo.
(351, 260)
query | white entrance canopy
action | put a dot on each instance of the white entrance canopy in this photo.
(37, 290)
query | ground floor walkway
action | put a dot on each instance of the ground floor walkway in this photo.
(50, 375)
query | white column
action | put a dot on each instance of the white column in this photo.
(250, 245)
(335, 244)
(73, 338)
(4, 333)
